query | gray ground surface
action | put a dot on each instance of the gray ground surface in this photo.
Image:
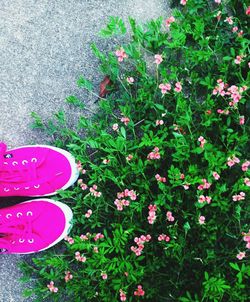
(45, 46)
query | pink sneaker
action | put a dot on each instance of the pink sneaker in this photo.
(37, 170)
(33, 226)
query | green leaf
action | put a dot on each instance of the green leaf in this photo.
(198, 28)
(123, 132)
(75, 101)
(84, 83)
(159, 106)
(186, 227)
(27, 293)
(234, 266)
(115, 27)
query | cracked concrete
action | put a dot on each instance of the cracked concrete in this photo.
(45, 46)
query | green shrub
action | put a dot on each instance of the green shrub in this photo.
(163, 200)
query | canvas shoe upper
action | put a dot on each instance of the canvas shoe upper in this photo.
(37, 170)
(33, 226)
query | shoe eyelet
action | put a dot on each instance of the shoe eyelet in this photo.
(31, 240)
(24, 162)
(29, 213)
(33, 160)
(6, 190)
(3, 250)
(21, 240)
(19, 214)
(26, 188)
(5, 163)
(16, 189)
(8, 216)
(37, 187)
(14, 163)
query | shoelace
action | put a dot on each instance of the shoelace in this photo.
(17, 174)
(17, 229)
(22, 173)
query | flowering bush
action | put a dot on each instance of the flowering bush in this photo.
(160, 209)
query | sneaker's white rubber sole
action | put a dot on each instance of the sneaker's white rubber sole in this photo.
(68, 225)
(71, 159)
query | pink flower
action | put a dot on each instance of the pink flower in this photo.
(235, 29)
(163, 237)
(84, 237)
(217, 1)
(129, 157)
(220, 88)
(52, 288)
(88, 214)
(139, 291)
(79, 182)
(246, 238)
(183, 2)
(240, 33)
(202, 219)
(68, 276)
(202, 140)
(79, 166)
(165, 88)
(186, 186)
(152, 213)
(158, 59)
(169, 21)
(178, 87)
(218, 15)
(95, 249)
(216, 175)
(160, 179)
(182, 176)
(242, 120)
(220, 111)
(239, 197)
(247, 182)
(154, 154)
(83, 186)
(98, 236)
(170, 216)
(125, 120)
(140, 244)
(106, 161)
(69, 239)
(104, 275)
(238, 59)
(80, 258)
(130, 80)
(204, 185)
(121, 55)
(159, 122)
(229, 20)
(203, 199)
(241, 255)
(120, 202)
(248, 11)
(245, 166)
(115, 127)
(94, 192)
(122, 295)
(232, 160)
